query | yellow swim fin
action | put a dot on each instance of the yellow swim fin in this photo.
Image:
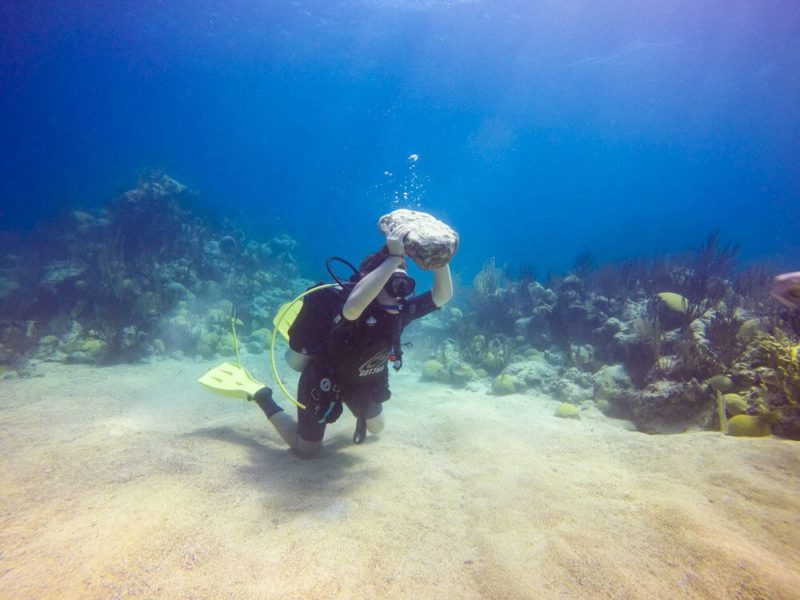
(286, 315)
(233, 381)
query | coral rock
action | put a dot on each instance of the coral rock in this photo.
(429, 243)
(665, 406)
(674, 302)
(503, 385)
(611, 381)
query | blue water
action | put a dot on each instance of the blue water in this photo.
(543, 128)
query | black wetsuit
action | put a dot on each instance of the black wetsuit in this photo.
(356, 360)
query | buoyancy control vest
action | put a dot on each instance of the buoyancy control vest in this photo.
(357, 351)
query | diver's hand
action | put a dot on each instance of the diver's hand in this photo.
(394, 241)
(786, 289)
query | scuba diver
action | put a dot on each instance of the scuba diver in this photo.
(360, 323)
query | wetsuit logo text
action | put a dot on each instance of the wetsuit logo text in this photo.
(374, 365)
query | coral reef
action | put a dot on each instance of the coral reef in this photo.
(152, 273)
(767, 374)
(672, 344)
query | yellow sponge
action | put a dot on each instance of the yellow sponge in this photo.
(566, 410)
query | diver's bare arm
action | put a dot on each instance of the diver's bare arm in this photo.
(442, 286)
(368, 288)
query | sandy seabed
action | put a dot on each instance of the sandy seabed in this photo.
(135, 482)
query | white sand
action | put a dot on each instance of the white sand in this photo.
(134, 482)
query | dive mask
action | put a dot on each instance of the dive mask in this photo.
(400, 285)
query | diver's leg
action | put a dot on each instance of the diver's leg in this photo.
(378, 395)
(370, 409)
(309, 432)
(304, 436)
(375, 420)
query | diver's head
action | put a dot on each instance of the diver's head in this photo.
(375, 260)
(392, 296)
(400, 285)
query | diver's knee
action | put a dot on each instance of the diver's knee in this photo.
(376, 424)
(306, 450)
